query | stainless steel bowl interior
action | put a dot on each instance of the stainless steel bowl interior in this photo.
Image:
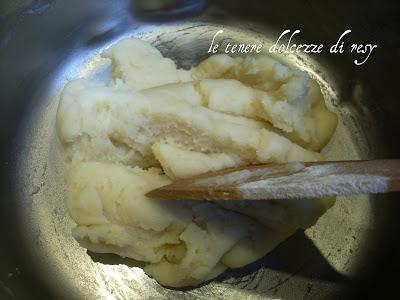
(45, 44)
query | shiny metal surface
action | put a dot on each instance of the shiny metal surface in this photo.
(44, 44)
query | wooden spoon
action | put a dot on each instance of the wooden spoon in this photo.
(289, 180)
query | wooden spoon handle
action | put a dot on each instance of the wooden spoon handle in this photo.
(291, 180)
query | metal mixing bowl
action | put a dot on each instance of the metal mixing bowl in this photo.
(349, 253)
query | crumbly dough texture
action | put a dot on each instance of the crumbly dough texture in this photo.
(154, 123)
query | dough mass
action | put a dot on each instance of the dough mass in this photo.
(153, 123)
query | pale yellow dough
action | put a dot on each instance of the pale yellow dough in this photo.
(153, 124)
(289, 99)
(138, 65)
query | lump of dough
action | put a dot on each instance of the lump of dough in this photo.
(139, 65)
(176, 92)
(181, 243)
(205, 246)
(260, 71)
(216, 66)
(179, 163)
(237, 111)
(118, 191)
(233, 97)
(128, 224)
(110, 124)
(228, 96)
(287, 98)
